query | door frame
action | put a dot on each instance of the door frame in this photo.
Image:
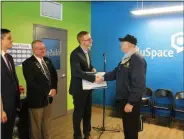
(66, 72)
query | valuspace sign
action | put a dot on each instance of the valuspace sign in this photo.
(177, 46)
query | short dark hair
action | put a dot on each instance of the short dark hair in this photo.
(34, 42)
(81, 34)
(3, 32)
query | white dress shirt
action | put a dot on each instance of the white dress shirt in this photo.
(40, 61)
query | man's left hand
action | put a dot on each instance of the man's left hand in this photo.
(128, 107)
(53, 92)
(93, 70)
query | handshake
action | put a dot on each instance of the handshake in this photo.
(99, 79)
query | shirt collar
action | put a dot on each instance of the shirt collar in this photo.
(84, 50)
(39, 59)
(3, 53)
(130, 53)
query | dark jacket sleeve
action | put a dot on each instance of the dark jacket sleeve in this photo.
(77, 71)
(110, 76)
(18, 91)
(54, 76)
(17, 82)
(27, 68)
(91, 66)
(138, 79)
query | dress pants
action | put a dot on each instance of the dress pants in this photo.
(40, 122)
(82, 111)
(7, 128)
(130, 120)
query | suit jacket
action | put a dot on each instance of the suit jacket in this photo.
(79, 66)
(38, 86)
(9, 87)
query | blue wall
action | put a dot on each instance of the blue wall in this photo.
(111, 20)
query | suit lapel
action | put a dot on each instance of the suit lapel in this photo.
(84, 56)
(37, 64)
(5, 66)
(82, 52)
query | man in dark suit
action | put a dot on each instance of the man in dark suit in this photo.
(41, 80)
(80, 64)
(10, 96)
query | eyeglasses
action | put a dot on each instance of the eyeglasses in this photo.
(8, 38)
(41, 49)
(90, 39)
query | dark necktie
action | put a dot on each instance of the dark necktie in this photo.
(8, 62)
(11, 70)
(46, 70)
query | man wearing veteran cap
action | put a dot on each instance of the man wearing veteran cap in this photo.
(130, 76)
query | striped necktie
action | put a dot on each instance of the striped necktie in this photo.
(46, 70)
(88, 61)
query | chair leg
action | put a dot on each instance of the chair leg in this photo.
(169, 122)
(149, 120)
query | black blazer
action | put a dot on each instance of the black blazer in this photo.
(9, 87)
(79, 66)
(37, 84)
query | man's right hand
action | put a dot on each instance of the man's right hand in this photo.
(99, 79)
(4, 118)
